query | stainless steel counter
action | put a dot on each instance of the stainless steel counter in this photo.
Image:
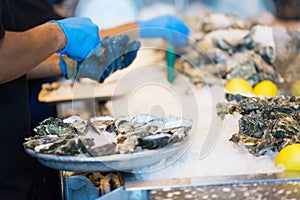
(258, 186)
(274, 190)
(273, 186)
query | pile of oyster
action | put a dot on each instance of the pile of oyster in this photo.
(104, 183)
(124, 134)
(266, 124)
(227, 49)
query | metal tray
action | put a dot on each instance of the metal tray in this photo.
(118, 162)
(131, 183)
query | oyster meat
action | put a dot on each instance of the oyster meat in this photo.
(125, 134)
(81, 125)
(101, 123)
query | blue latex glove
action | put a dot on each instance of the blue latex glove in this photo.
(168, 27)
(118, 53)
(82, 37)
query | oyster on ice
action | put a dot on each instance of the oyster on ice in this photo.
(229, 52)
(265, 124)
(125, 134)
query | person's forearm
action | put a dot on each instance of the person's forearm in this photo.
(21, 52)
(121, 29)
(51, 66)
(48, 68)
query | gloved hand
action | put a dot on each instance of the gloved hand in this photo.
(117, 54)
(168, 27)
(82, 37)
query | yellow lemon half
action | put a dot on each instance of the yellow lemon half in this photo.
(295, 88)
(289, 157)
(265, 88)
(238, 86)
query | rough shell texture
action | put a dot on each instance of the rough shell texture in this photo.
(266, 124)
(127, 134)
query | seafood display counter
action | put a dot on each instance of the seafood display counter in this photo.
(260, 186)
(119, 184)
(227, 153)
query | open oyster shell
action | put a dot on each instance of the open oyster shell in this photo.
(105, 135)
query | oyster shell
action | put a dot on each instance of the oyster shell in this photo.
(55, 126)
(128, 144)
(101, 123)
(71, 146)
(171, 125)
(104, 150)
(122, 124)
(266, 124)
(37, 140)
(226, 53)
(151, 127)
(126, 134)
(80, 124)
(54, 136)
(215, 21)
(140, 120)
(155, 141)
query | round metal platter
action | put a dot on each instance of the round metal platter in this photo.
(154, 159)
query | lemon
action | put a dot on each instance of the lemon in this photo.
(289, 157)
(295, 88)
(265, 88)
(238, 86)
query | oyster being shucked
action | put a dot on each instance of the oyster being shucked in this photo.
(265, 124)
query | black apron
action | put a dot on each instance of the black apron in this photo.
(18, 171)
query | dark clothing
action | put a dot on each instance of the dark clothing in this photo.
(1, 26)
(26, 14)
(16, 168)
(18, 171)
